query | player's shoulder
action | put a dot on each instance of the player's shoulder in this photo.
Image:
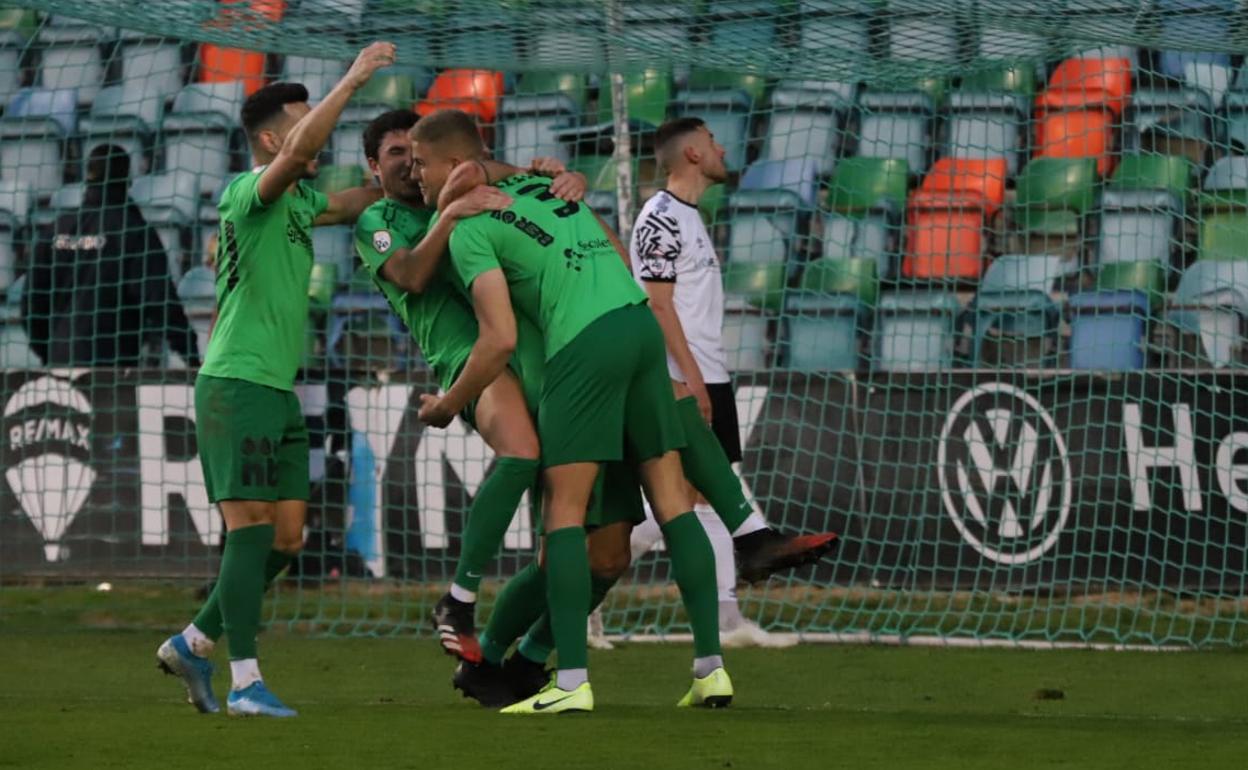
(377, 213)
(242, 180)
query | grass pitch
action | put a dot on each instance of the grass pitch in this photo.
(83, 696)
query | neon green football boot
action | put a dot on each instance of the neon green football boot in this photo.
(711, 691)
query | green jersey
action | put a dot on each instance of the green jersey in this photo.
(561, 268)
(262, 282)
(441, 322)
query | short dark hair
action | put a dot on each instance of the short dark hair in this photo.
(451, 126)
(394, 120)
(269, 102)
(672, 130)
(108, 164)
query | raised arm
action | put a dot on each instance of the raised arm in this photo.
(346, 206)
(311, 133)
(496, 340)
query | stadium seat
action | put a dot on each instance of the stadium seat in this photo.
(648, 94)
(727, 115)
(763, 226)
(218, 64)
(335, 246)
(981, 177)
(65, 198)
(704, 79)
(987, 125)
(1108, 330)
(1211, 303)
(318, 75)
(1138, 225)
(531, 125)
(150, 65)
(649, 25)
(866, 198)
(1227, 180)
(15, 350)
(946, 219)
(1170, 122)
(33, 129)
(915, 331)
(747, 24)
(1077, 134)
(1014, 320)
(606, 204)
(170, 203)
(198, 292)
(827, 316)
(925, 37)
(796, 176)
(1083, 83)
(1017, 79)
(14, 209)
(12, 45)
(896, 125)
(1224, 235)
(1145, 276)
(567, 84)
(121, 117)
(1153, 172)
(843, 28)
(70, 56)
(1052, 196)
(197, 132)
(1235, 123)
(332, 179)
(476, 92)
(752, 294)
(805, 121)
(1003, 43)
(364, 333)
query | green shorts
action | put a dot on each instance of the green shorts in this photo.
(253, 444)
(616, 498)
(607, 394)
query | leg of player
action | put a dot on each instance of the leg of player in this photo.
(693, 566)
(761, 550)
(502, 418)
(522, 605)
(567, 492)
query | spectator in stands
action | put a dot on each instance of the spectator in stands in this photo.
(99, 290)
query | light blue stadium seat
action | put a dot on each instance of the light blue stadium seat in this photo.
(198, 292)
(198, 130)
(1211, 302)
(70, 56)
(915, 331)
(170, 204)
(1139, 225)
(806, 120)
(763, 225)
(32, 133)
(15, 350)
(317, 75)
(987, 125)
(896, 125)
(1014, 310)
(530, 126)
(825, 319)
(150, 64)
(915, 34)
(797, 176)
(14, 210)
(1108, 330)
(123, 118)
(335, 245)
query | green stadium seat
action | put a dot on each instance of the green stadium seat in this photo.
(648, 94)
(866, 198)
(825, 318)
(568, 84)
(753, 86)
(860, 184)
(321, 286)
(1017, 79)
(854, 277)
(752, 294)
(1145, 276)
(1153, 172)
(1224, 236)
(1052, 196)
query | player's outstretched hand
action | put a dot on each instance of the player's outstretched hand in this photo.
(478, 199)
(371, 59)
(432, 412)
(547, 166)
(569, 186)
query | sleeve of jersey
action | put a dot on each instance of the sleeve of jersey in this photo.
(318, 200)
(374, 242)
(472, 253)
(245, 193)
(656, 242)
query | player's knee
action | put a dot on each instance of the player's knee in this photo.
(522, 445)
(609, 563)
(291, 545)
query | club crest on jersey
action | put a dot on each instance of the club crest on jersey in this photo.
(382, 240)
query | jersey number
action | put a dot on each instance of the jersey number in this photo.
(566, 209)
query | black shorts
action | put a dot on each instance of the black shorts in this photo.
(724, 418)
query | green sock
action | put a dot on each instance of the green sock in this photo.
(539, 642)
(492, 511)
(693, 566)
(520, 602)
(209, 618)
(707, 467)
(242, 586)
(567, 594)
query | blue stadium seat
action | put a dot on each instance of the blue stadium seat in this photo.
(806, 120)
(150, 64)
(896, 125)
(1211, 302)
(123, 118)
(1108, 330)
(33, 129)
(987, 125)
(1014, 314)
(840, 29)
(335, 246)
(796, 176)
(70, 56)
(318, 75)
(198, 132)
(170, 204)
(763, 226)
(530, 126)
(915, 331)
(825, 319)
(1140, 225)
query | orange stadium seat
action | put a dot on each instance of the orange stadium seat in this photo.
(969, 176)
(1078, 134)
(1082, 83)
(476, 92)
(218, 64)
(945, 236)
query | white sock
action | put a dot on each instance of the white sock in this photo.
(702, 667)
(721, 544)
(645, 535)
(461, 594)
(200, 644)
(571, 678)
(753, 523)
(245, 672)
(729, 615)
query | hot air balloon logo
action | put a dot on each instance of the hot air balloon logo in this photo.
(49, 442)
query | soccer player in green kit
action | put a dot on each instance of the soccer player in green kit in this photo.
(250, 431)
(404, 255)
(605, 397)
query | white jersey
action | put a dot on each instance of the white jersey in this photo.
(670, 245)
